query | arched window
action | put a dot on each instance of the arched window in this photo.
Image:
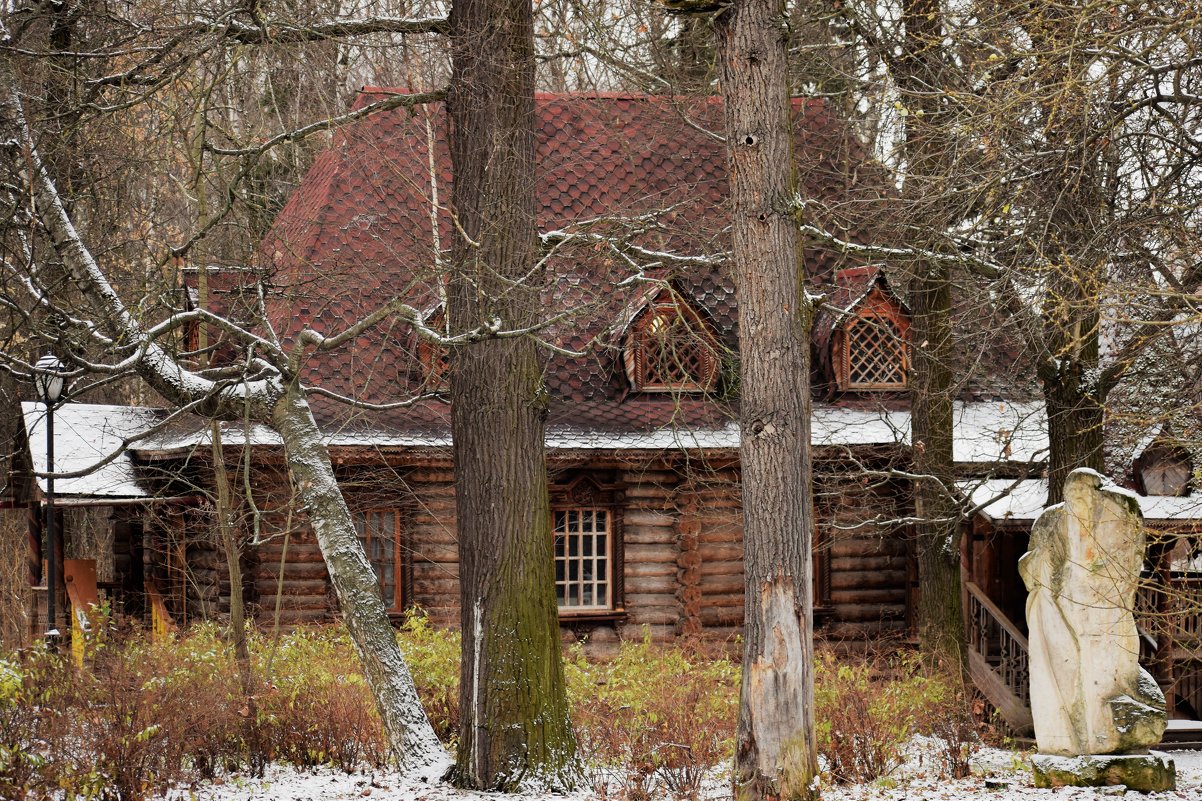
(669, 348)
(1164, 469)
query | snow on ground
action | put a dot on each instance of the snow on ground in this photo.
(917, 779)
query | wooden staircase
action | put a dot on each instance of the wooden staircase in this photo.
(997, 660)
(998, 664)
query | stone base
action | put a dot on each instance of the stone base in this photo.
(1146, 773)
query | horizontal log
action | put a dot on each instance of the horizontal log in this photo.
(647, 492)
(313, 603)
(293, 587)
(647, 600)
(435, 554)
(644, 535)
(720, 585)
(729, 600)
(852, 582)
(301, 551)
(654, 519)
(730, 567)
(848, 547)
(294, 570)
(649, 477)
(652, 585)
(651, 553)
(848, 612)
(656, 616)
(721, 616)
(636, 570)
(711, 552)
(854, 563)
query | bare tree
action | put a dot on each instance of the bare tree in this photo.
(776, 751)
(268, 390)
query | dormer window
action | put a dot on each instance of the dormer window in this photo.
(869, 344)
(1164, 469)
(669, 348)
(875, 354)
(435, 359)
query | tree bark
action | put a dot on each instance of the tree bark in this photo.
(410, 734)
(920, 71)
(514, 730)
(775, 753)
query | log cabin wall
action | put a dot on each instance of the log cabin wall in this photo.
(680, 526)
(866, 553)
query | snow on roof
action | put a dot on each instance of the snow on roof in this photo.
(85, 435)
(1023, 500)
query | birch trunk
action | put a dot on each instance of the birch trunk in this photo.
(410, 734)
(270, 400)
(775, 751)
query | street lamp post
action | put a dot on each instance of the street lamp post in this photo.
(48, 379)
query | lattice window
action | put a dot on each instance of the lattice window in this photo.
(875, 356)
(583, 559)
(671, 349)
(379, 531)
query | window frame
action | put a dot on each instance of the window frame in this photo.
(587, 493)
(699, 335)
(402, 564)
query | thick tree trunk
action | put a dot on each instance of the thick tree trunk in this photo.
(940, 609)
(514, 729)
(409, 731)
(930, 134)
(1075, 420)
(775, 751)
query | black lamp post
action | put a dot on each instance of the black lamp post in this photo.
(49, 381)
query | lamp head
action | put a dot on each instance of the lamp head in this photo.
(48, 379)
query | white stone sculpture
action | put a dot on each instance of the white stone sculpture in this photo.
(1089, 694)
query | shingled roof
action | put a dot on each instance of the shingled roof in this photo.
(361, 229)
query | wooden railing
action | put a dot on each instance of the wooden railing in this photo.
(998, 657)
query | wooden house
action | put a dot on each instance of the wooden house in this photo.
(642, 444)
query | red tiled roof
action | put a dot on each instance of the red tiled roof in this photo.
(359, 230)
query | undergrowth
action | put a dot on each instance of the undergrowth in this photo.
(141, 716)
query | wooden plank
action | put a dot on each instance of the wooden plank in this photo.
(876, 596)
(633, 518)
(859, 563)
(652, 553)
(720, 585)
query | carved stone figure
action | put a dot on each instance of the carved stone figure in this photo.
(1089, 694)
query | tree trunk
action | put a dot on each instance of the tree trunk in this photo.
(940, 608)
(227, 528)
(1075, 419)
(514, 729)
(775, 753)
(410, 734)
(929, 149)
